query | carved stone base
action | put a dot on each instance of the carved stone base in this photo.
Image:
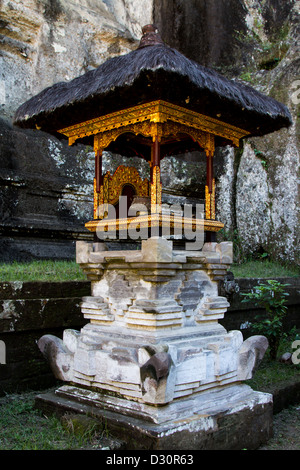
(232, 419)
(153, 350)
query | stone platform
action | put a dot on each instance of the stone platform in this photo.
(243, 423)
(154, 361)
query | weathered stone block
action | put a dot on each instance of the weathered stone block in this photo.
(157, 249)
(251, 354)
(244, 423)
(83, 249)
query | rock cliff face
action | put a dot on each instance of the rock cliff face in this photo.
(46, 187)
(256, 41)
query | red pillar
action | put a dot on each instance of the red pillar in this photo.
(209, 170)
(98, 170)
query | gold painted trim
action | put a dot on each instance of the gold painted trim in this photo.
(122, 176)
(153, 220)
(112, 187)
(156, 190)
(98, 199)
(156, 112)
(210, 203)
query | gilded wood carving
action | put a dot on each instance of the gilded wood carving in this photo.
(156, 121)
(138, 118)
(210, 209)
(112, 186)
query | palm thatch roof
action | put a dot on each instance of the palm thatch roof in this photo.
(151, 72)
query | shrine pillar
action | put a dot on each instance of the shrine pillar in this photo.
(155, 179)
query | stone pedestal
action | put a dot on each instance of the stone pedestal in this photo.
(153, 359)
(244, 422)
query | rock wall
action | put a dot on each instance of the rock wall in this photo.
(46, 187)
(27, 310)
(256, 41)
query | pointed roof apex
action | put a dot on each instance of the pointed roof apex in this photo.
(151, 36)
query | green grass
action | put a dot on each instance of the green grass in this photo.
(270, 373)
(48, 270)
(44, 270)
(23, 427)
(264, 269)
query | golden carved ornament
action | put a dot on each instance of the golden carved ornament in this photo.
(122, 176)
(110, 126)
(156, 189)
(147, 129)
(210, 209)
(98, 199)
(153, 220)
(112, 186)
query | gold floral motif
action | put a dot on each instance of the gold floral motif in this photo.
(213, 200)
(112, 187)
(96, 194)
(125, 175)
(154, 220)
(207, 203)
(106, 187)
(210, 209)
(156, 190)
(157, 112)
(147, 129)
(151, 129)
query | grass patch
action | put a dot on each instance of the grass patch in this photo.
(42, 270)
(25, 428)
(272, 373)
(264, 269)
(49, 270)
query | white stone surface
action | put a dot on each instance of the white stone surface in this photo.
(153, 334)
(157, 249)
(250, 355)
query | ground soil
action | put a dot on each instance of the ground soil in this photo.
(286, 430)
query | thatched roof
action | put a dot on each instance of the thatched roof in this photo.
(151, 72)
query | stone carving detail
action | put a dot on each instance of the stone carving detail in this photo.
(153, 336)
(95, 308)
(158, 378)
(213, 308)
(59, 357)
(251, 353)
